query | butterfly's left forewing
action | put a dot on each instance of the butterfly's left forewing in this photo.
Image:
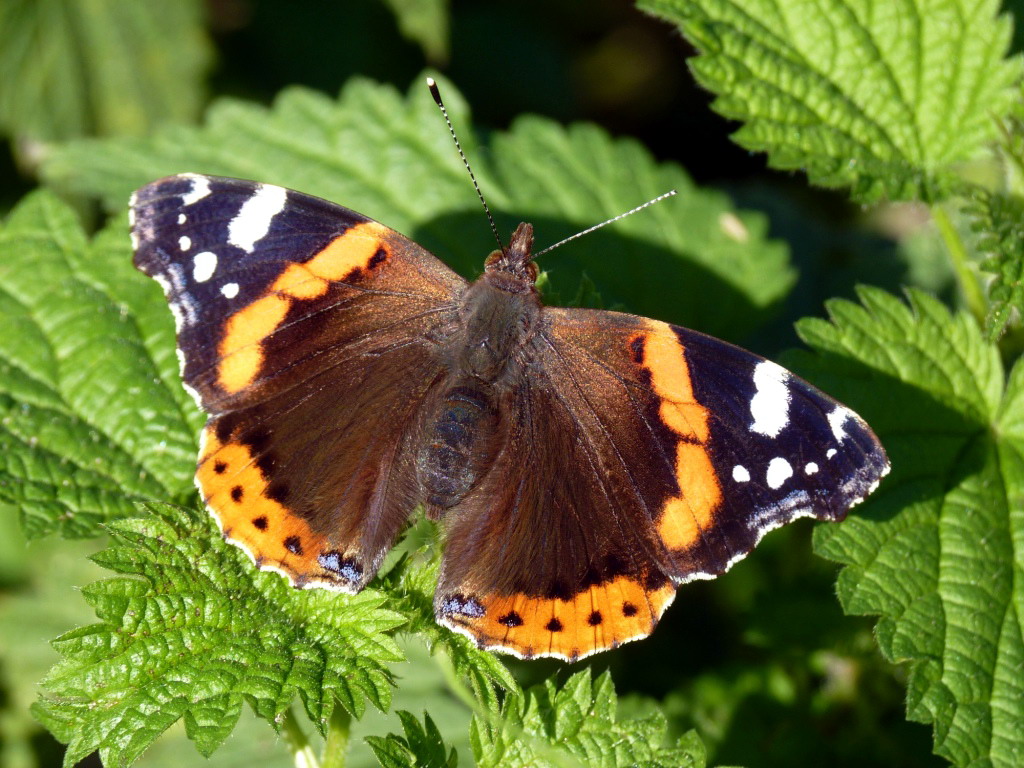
(308, 332)
(645, 456)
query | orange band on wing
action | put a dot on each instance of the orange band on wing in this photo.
(664, 359)
(235, 491)
(601, 617)
(686, 516)
(241, 354)
(353, 250)
(682, 518)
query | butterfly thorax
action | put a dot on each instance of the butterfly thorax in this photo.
(498, 316)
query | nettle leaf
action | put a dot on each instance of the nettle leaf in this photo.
(192, 631)
(106, 67)
(575, 725)
(939, 553)
(999, 221)
(885, 98)
(392, 158)
(92, 413)
(412, 583)
(421, 745)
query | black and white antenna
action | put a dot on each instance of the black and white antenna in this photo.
(432, 85)
(436, 93)
(613, 219)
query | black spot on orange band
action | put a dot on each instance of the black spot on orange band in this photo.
(594, 618)
(511, 619)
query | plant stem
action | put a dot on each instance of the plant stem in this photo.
(302, 751)
(339, 728)
(451, 678)
(969, 284)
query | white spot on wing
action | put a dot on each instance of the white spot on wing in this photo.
(178, 315)
(193, 394)
(740, 474)
(779, 471)
(793, 505)
(830, 453)
(200, 189)
(164, 283)
(204, 265)
(253, 219)
(836, 419)
(811, 468)
(181, 218)
(229, 290)
(178, 299)
(770, 404)
(184, 242)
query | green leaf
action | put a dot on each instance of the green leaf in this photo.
(191, 632)
(99, 67)
(999, 222)
(392, 158)
(575, 725)
(886, 98)
(411, 583)
(939, 553)
(421, 745)
(426, 23)
(92, 414)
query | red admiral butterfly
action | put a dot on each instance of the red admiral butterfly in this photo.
(585, 463)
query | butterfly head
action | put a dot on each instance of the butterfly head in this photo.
(516, 259)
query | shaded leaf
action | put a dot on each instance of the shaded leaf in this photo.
(426, 23)
(99, 67)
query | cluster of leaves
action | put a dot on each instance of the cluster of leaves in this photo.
(97, 435)
(547, 726)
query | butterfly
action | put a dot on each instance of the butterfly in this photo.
(584, 463)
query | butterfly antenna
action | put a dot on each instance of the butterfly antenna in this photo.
(587, 231)
(432, 85)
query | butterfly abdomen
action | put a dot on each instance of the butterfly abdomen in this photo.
(456, 449)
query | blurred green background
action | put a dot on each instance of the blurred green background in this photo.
(762, 662)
